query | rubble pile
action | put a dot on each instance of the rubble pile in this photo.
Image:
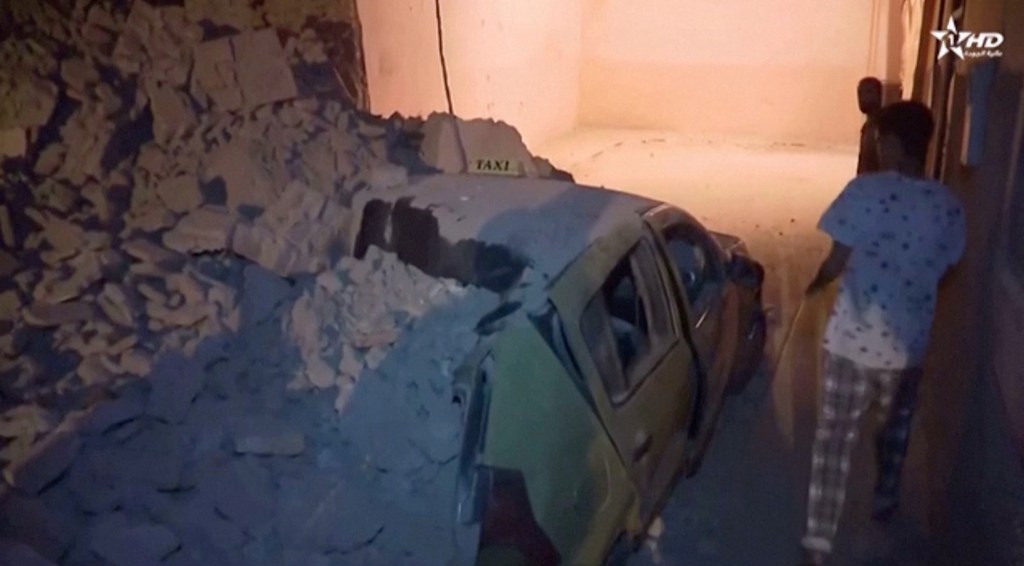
(191, 370)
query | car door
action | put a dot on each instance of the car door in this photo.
(634, 344)
(700, 266)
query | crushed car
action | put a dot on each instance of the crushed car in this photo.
(623, 326)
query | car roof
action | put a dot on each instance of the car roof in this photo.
(548, 223)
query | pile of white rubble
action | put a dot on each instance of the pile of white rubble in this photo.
(192, 371)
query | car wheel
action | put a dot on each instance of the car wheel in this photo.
(621, 551)
(753, 354)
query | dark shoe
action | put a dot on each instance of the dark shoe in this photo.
(884, 509)
(813, 558)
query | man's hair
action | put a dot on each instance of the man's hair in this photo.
(911, 122)
(872, 82)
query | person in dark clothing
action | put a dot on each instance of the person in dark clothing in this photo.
(869, 98)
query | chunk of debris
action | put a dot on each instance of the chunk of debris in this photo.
(26, 100)
(262, 68)
(171, 113)
(180, 194)
(10, 306)
(45, 528)
(79, 75)
(203, 230)
(13, 142)
(214, 73)
(26, 420)
(243, 174)
(136, 362)
(46, 462)
(238, 14)
(8, 264)
(115, 303)
(108, 414)
(48, 315)
(18, 554)
(123, 545)
(268, 438)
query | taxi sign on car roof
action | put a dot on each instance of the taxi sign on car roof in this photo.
(506, 167)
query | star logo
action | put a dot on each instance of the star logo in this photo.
(951, 40)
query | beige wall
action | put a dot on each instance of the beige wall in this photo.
(513, 61)
(785, 69)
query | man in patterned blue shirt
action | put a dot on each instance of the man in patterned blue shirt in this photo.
(895, 234)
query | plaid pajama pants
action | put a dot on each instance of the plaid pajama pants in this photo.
(849, 391)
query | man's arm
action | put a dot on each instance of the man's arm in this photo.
(831, 268)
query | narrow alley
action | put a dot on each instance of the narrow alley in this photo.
(495, 283)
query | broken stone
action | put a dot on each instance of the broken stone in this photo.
(190, 289)
(262, 293)
(50, 159)
(100, 17)
(243, 174)
(13, 142)
(26, 100)
(26, 420)
(268, 438)
(94, 194)
(78, 74)
(180, 194)
(47, 315)
(154, 219)
(203, 230)
(242, 491)
(109, 414)
(171, 113)
(346, 387)
(10, 306)
(45, 463)
(186, 316)
(122, 345)
(148, 252)
(96, 35)
(176, 381)
(8, 264)
(114, 303)
(259, 244)
(176, 301)
(214, 74)
(33, 522)
(262, 68)
(377, 339)
(388, 176)
(152, 294)
(61, 234)
(123, 545)
(350, 364)
(92, 370)
(17, 554)
(375, 357)
(150, 455)
(136, 362)
(311, 509)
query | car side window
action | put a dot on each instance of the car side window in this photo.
(693, 259)
(597, 333)
(627, 322)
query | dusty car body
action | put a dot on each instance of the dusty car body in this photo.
(624, 324)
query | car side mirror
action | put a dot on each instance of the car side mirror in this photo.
(745, 271)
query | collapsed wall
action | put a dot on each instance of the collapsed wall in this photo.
(190, 370)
